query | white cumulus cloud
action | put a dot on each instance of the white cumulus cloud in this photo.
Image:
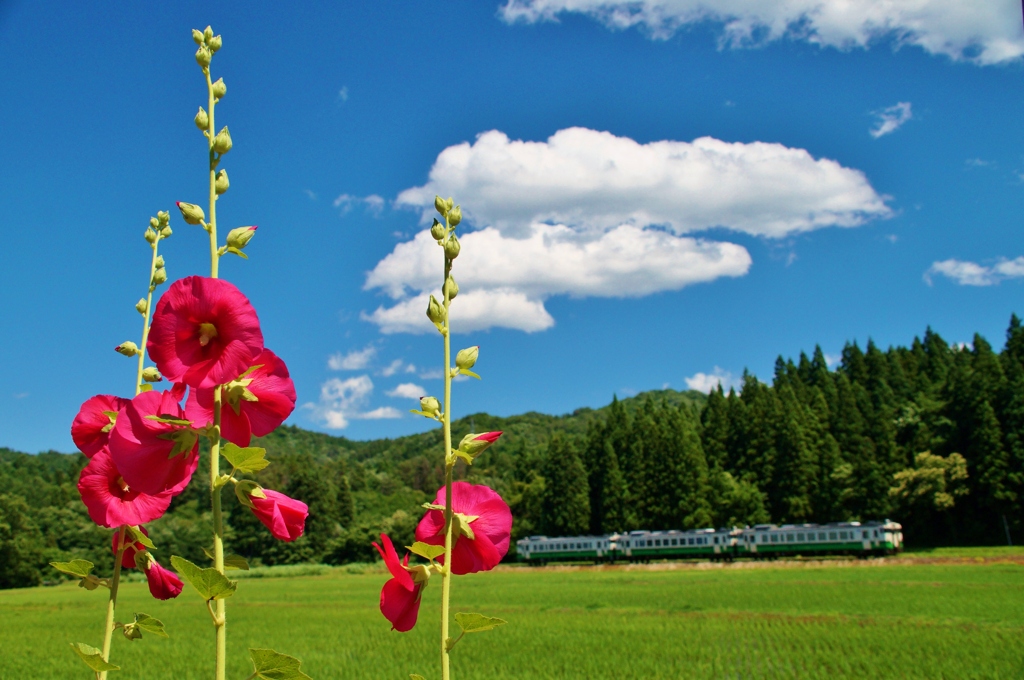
(890, 119)
(592, 180)
(983, 32)
(407, 391)
(705, 382)
(356, 360)
(344, 400)
(968, 273)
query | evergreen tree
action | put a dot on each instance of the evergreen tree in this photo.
(565, 507)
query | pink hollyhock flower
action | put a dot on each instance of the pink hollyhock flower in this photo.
(205, 332)
(163, 583)
(109, 499)
(486, 524)
(154, 456)
(400, 596)
(254, 404)
(95, 419)
(130, 548)
(284, 516)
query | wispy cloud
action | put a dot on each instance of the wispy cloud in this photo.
(397, 366)
(890, 119)
(968, 273)
(310, 193)
(342, 401)
(356, 360)
(705, 382)
(407, 391)
(373, 203)
(343, 94)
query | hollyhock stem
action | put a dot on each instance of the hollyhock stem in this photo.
(108, 630)
(449, 463)
(211, 225)
(146, 317)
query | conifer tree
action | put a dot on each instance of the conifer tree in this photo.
(565, 505)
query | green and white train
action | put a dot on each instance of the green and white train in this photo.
(763, 541)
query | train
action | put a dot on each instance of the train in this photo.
(762, 541)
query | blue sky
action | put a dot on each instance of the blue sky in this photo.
(655, 192)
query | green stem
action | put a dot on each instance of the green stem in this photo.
(449, 463)
(146, 317)
(108, 630)
(211, 225)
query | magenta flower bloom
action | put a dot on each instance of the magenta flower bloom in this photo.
(284, 516)
(154, 456)
(486, 527)
(130, 548)
(254, 404)
(163, 583)
(205, 332)
(109, 499)
(400, 596)
(95, 419)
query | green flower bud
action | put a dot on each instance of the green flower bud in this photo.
(150, 374)
(215, 43)
(141, 306)
(165, 232)
(163, 217)
(154, 222)
(191, 213)
(159, 276)
(437, 230)
(435, 312)
(150, 236)
(238, 238)
(452, 247)
(455, 215)
(202, 120)
(222, 142)
(466, 358)
(159, 261)
(207, 33)
(203, 56)
(440, 205)
(127, 348)
(197, 36)
(219, 88)
(221, 184)
(449, 203)
(451, 289)
(430, 405)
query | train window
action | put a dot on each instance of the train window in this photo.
(675, 541)
(775, 539)
(831, 535)
(716, 540)
(842, 535)
(865, 534)
(649, 543)
(810, 537)
(790, 538)
(821, 535)
(800, 537)
(657, 541)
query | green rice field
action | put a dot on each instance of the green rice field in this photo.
(956, 615)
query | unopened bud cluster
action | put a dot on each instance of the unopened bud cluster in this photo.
(208, 44)
(159, 227)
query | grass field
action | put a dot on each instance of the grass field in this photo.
(961, 619)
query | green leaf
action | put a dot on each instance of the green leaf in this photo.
(249, 459)
(137, 536)
(425, 550)
(413, 676)
(150, 625)
(471, 374)
(145, 387)
(90, 582)
(209, 583)
(93, 657)
(271, 665)
(464, 456)
(476, 623)
(231, 561)
(235, 251)
(449, 644)
(77, 568)
(169, 420)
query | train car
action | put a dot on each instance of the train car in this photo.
(839, 538)
(696, 543)
(541, 549)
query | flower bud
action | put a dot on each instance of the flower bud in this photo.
(153, 222)
(207, 33)
(451, 289)
(215, 43)
(222, 142)
(437, 230)
(452, 247)
(141, 306)
(430, 405)
(127, 348)
(219, 88)
(202, 120)
(159, 276)
(455, 215)
(159, 262)
(197, 36)
(203, 56)
(440, 205)
(221, 184)
(165, 232)
(475, 444)
(191, 213)
(434, 311)
(150, 374)
(238, 238)
(163, 217)
(150, 236)
(466, 358)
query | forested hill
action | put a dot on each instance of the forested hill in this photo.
(930, 434)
